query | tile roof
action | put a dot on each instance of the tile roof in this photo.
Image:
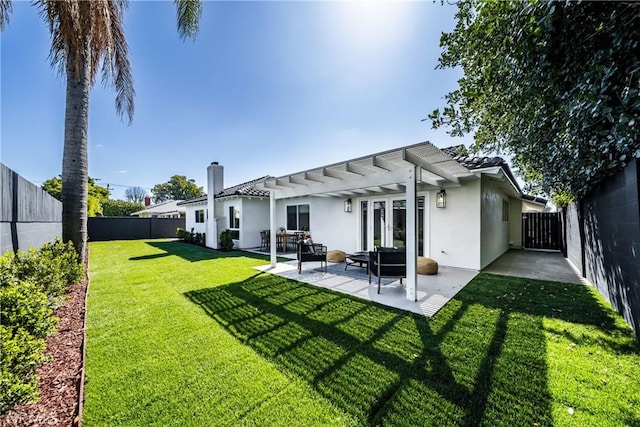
(245, 189)
(459, 154)
(169, 206)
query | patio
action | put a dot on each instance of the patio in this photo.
(432, 294)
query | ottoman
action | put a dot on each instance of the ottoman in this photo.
(336, 255)
(427, 266)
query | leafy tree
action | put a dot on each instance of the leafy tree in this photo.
(177, 188)
(87, 37)
(96, 196)
(135, 194)
(53, 186)
(555, 84)
(120, 207)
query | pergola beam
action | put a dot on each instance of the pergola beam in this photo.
(434, 169)
(381, 163)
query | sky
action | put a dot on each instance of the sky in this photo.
(267, 88)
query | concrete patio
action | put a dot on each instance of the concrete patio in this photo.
(540, 265)
(433, 291)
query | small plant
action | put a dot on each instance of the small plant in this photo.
(226, 240)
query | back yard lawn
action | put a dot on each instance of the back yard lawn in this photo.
(181, 335)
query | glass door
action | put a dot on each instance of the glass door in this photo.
(399, 227)
(379, 234)
(379, 228)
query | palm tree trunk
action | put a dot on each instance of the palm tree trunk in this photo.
(75, 165)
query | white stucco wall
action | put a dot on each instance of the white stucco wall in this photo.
(531, 207)
(494, 232)
(515, 223)
(454, 232)
(254, 217)
(329, 224)
(190, 220)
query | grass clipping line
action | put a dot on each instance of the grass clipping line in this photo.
(61, 389)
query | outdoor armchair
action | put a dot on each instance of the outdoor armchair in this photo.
(387, 262)
(311, 252)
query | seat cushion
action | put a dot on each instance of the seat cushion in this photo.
(336, 255)
(427, 266)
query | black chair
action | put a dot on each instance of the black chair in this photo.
(265, 240)
(387, 262)
(311, 252)
(293, 240)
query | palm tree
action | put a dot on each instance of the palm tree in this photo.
(87, 36)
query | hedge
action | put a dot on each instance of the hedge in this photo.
(32, 285)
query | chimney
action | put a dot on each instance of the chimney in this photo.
(215, 179)
(147, 201)
(215, 184)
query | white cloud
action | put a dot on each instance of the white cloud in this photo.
(120, 171)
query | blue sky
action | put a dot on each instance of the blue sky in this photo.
(267, 88)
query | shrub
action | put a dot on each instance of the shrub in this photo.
(120, 207)
(31, 283)
(8, 269)
(21, 353)
(66, 257)
(24, 306)
(52, 268)
(226, 240)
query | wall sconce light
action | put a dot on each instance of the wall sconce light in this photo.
(441, 199)
(347, 205)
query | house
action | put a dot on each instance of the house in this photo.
(168, 209)
(459, 210)
(241, 207)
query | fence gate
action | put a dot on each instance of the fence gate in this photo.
(542, 230)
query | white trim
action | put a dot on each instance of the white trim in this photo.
(411, 234)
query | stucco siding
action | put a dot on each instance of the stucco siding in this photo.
(329, 224)
(494, 237)
(454, 232)
(531, 207)
(516, 207)
(190, 220)
(254, 217)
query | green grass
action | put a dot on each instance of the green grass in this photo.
(180, 335)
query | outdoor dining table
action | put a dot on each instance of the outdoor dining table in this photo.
(281, 238)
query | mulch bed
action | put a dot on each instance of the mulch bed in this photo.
(60, 378)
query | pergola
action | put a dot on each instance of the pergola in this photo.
(419, 167)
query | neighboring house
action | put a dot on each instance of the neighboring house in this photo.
(467, 209)
(168, 209)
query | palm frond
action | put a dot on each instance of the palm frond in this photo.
(188, 14)
(121, 66)
(5, 10)
(90, 33)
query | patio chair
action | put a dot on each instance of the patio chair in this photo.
(265, 240)
(387, 262)
(311, 252)
(293, 240)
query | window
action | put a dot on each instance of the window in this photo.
(200, 216)
(298, 217)
(505, 210)
(234, 217)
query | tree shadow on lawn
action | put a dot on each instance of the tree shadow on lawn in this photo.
(481, 360)
(193, 253)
